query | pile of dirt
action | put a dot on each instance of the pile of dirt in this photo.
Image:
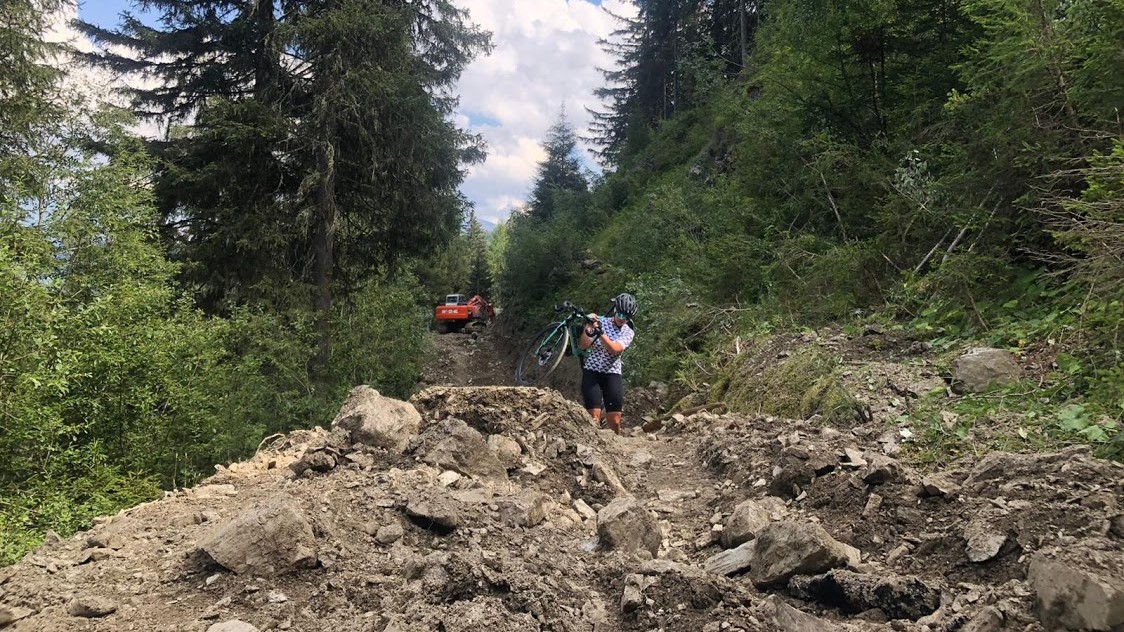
(501, 508)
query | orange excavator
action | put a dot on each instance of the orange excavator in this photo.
(460, 312)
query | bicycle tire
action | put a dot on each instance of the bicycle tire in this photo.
(533, 355)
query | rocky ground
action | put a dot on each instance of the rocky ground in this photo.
(488, 507)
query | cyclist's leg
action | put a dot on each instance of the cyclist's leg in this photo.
(591, 394)
(614, 401)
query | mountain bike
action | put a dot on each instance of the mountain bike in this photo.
(547, 348)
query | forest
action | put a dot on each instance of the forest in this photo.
(951, 170)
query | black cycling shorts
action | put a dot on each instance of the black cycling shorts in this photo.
(597, 386)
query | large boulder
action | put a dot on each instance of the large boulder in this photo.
(788, 548)
(463, 450)
(375, 420)
(897, 597)
(1075, 598)
(983, 368)
(268, 539)
(626, 525)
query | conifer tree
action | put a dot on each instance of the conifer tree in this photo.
(560, 172)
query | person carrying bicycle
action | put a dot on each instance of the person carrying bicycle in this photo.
(605, 339)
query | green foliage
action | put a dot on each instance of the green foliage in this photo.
(951, 169)
(113, 385)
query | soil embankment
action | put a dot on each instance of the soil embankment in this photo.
(490, 507)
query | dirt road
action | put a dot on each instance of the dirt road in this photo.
(503, 509)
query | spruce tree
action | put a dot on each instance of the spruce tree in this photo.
(559, 172)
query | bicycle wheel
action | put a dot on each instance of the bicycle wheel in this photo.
(543, 355)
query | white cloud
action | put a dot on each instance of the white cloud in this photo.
(546, 56)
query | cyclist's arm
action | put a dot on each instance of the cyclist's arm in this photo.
(585, 341)
(612, 346)
(617, 347)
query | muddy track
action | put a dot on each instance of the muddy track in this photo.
(486, 507)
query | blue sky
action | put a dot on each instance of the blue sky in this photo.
(545, 58)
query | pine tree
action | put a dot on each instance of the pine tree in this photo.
(560, 172)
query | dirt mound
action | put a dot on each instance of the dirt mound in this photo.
(486, 515)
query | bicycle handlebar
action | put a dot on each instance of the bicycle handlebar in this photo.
(567, 306)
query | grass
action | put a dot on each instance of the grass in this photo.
(1022, 417)
(803, 385)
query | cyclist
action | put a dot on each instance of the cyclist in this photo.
(606, 338)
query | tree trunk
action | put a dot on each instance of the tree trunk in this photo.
(744, 35)
(324, 239)
(267, 70)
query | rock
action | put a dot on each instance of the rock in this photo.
(990, 619)
(854, 458)
(852, 593)
(784, 618)
(788, 548)
(626, 525)
(268, 539)
(732, 561)
(91, 607)
(873, 504)
(434, 511)
(463, 449)
(880, 469)
(11, 614)
(641, 459)
(506, 449)
(665, 567)
(276, 596)
(106, 540)
(897, 553)
(317, 461)
(232, 626)
(633, 595)
(1117, 526)
(528, 510)
(748, 519)
(584, 510)
(602, 472)
(983, 541)
(791, 477)
(983, 368)
(1103, 501)
(1075, 598)
(379, 421)
(447, 478)
(939, 485)
(585, 454)
(389, 534)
